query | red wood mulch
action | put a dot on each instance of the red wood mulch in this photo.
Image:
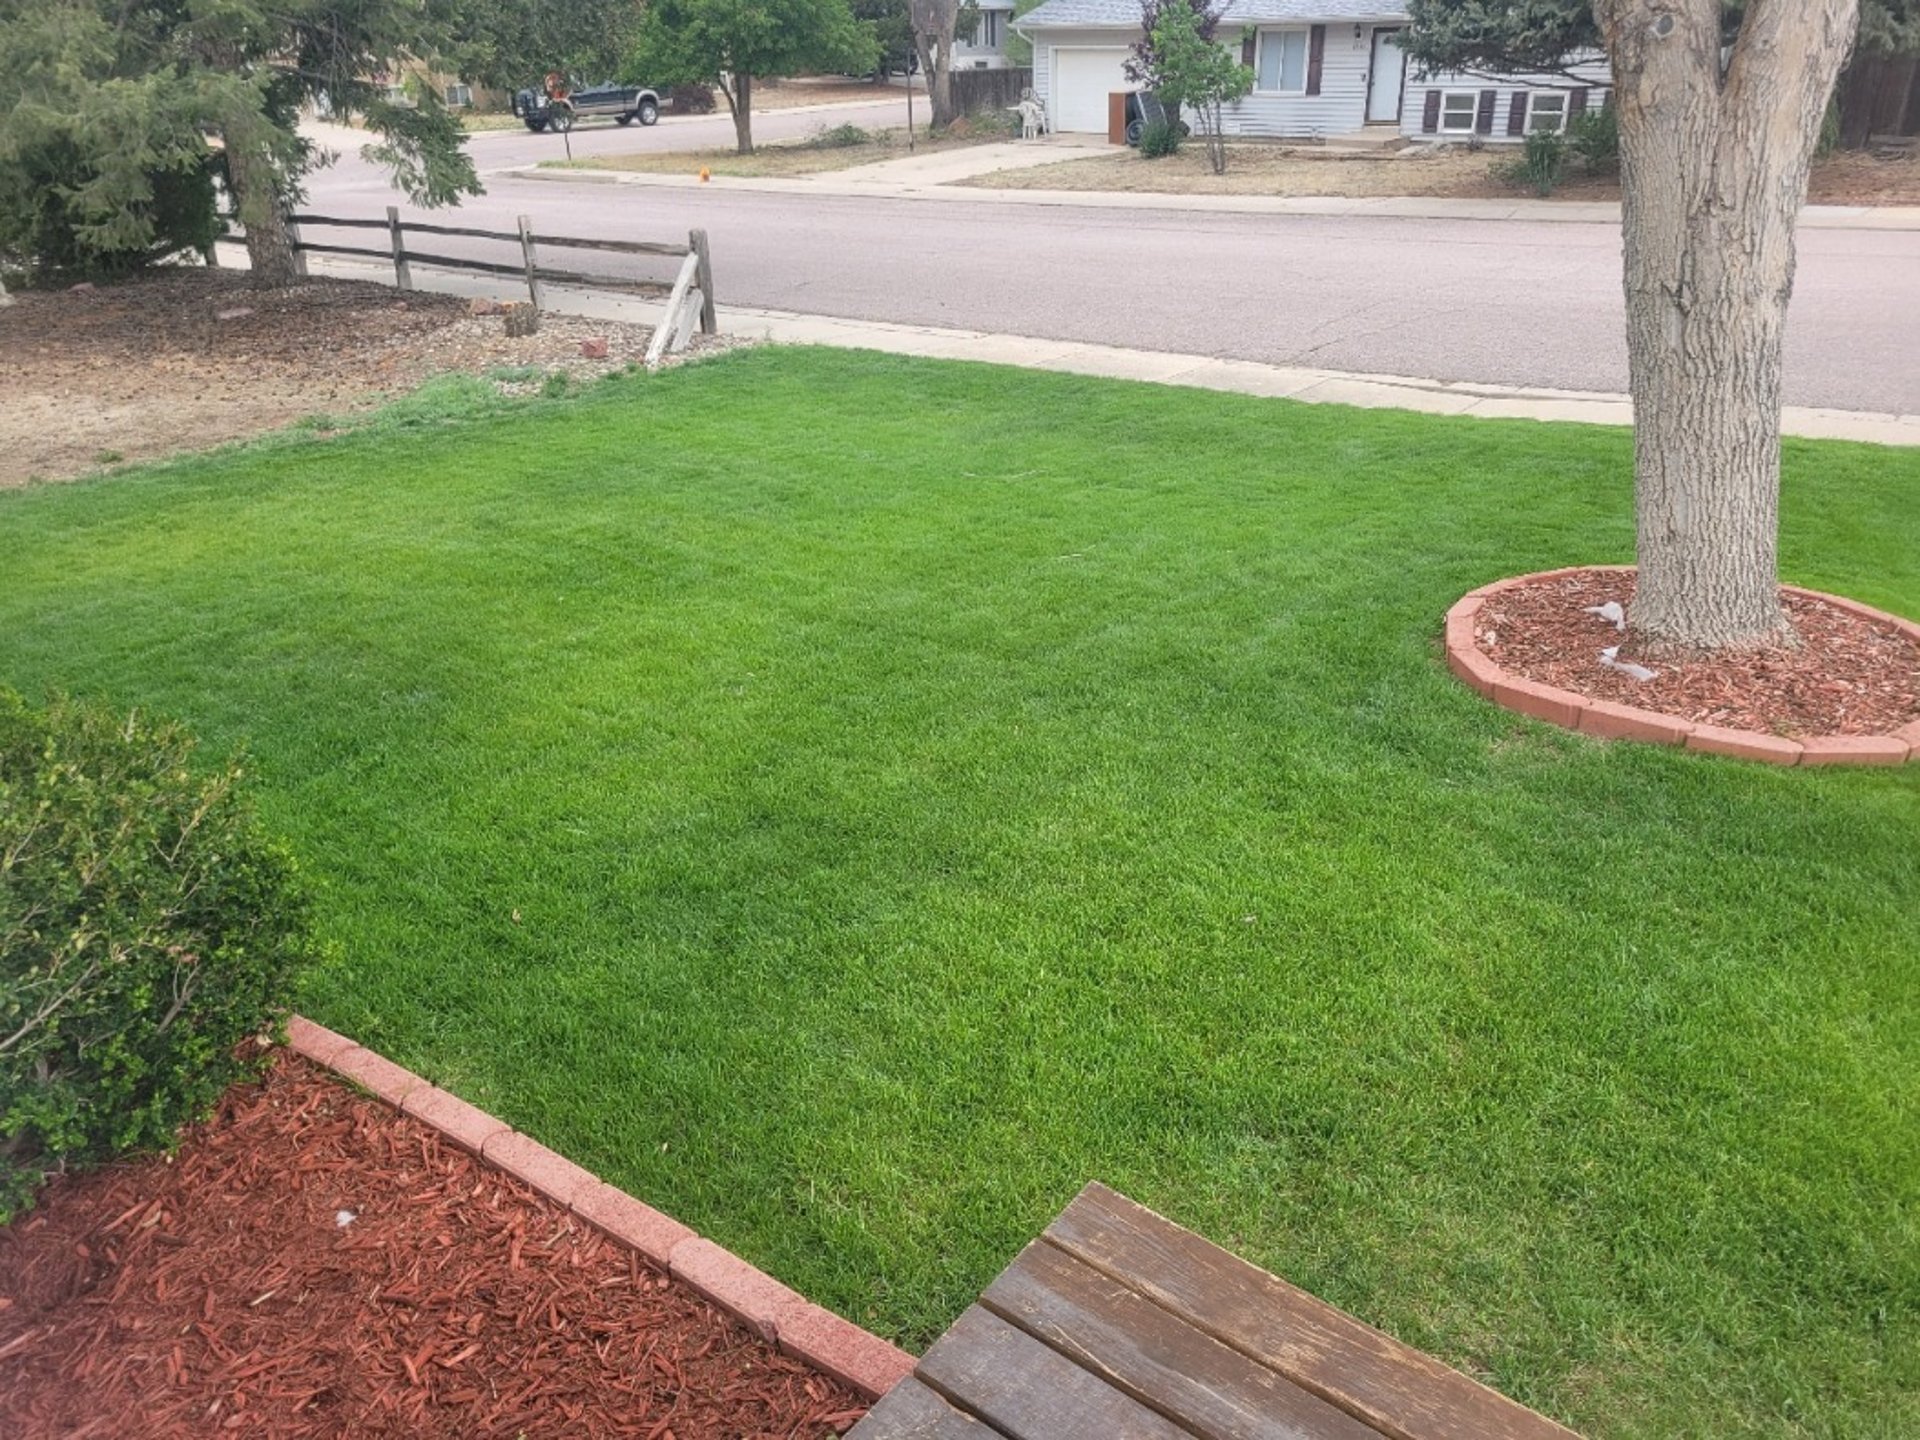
(217, 1293)
(1850, 676)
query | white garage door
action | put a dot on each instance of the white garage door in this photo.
(1082, 80)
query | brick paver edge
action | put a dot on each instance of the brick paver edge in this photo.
(1606, 720)
(807, 1332)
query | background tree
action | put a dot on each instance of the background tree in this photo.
(511, 43)
(727, 43)
(116, 102)
(1719, 113)
(1019, 48)
(1181, 60)
(936, 24)
(892, 32)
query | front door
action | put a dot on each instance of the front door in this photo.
(1386, 78)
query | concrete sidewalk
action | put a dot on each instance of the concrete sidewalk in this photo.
(931, 177)
(1244, 377)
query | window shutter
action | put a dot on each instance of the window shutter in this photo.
(1246, 49)
(1517, 114)
(1483, 120)
(1430, 113)
(1577, 102)
(1316, 57)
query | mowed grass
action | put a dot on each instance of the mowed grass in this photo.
(853, 801)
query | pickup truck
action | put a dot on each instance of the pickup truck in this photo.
(553, 106)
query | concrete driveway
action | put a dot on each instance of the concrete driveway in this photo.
(1508, 301)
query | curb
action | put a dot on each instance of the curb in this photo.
(1473, 399)
(1882, 218)
(782, 1317)
(1605, 720)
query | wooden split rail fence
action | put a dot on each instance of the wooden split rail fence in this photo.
(690, 303)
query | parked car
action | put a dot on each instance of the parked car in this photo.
(554, 105)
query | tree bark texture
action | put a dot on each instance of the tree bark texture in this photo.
(256, 193)
(1714, 161)
(934, 23)
(740, 100)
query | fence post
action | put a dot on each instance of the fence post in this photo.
(402, 276)
(293, 239)
(703, 277)
(526, 251)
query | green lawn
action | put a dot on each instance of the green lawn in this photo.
(853, 801)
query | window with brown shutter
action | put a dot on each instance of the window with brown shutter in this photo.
(1483, 121)
(1517, 114)
(1577, 105)
(1430, 113)
(1246, 48)
(1316, 57)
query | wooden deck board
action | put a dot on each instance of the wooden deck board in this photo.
(1157, 1357)
(910, 1411)
(1119, 1325)
(1396, 1389)
(1028, 1391)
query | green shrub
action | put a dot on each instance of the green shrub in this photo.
(48, 231)
(147, 930)
(1594, 138)
(1542, 163)
(1829, 140)
(842, 137)
(1160, 138)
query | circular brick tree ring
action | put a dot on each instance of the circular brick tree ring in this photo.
(1608, 720)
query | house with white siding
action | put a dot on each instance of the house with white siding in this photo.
(986, 47)
(1322, 69)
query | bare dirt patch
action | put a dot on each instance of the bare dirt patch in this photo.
(841, 147)
(1445, 172)
(1850, 675)
(819, 90)
(315, 1264)
(149, 368)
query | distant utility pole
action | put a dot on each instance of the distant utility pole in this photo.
(912, 50)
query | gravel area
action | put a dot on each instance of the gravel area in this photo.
(186, 359)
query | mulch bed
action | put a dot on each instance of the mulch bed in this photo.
(1850, 676)
(314, 1263)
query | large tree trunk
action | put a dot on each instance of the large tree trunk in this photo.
(1713, 174)
(740, 100)
(934, 22)
(256, 194)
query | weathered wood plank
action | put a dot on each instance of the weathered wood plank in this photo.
(910, 1411)
(1029, 1391)
(1156, 1357)
(1394, 1388)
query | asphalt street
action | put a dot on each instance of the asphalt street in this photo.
(1506, 301)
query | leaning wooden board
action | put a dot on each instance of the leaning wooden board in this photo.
(1116, 1324)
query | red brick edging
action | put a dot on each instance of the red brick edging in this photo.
(1607, 720)
(783, 1317)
